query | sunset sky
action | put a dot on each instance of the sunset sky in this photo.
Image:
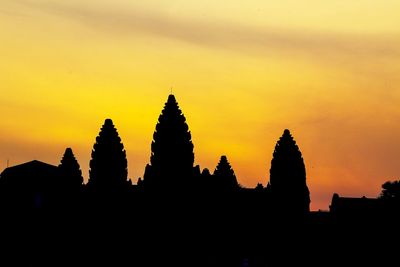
(242, 72)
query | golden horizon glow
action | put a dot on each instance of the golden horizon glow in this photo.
(241, 72)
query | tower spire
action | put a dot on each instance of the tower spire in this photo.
(172, 157)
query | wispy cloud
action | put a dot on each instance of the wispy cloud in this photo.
(224, 35)
(11, 9)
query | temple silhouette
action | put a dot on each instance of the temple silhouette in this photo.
(181, 215)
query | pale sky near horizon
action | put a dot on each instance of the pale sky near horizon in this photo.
(242, 72)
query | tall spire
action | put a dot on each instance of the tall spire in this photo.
(108, 166)
(224, 176)
(172, 157)
(71, 171)
(288, 175)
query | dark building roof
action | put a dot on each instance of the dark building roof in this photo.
(28, 166)
(33, 174)
(354, 206)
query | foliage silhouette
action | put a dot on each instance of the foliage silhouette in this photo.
(224, 176)
(391, 190)
(288, 176)
(172, 157)
(108, 166)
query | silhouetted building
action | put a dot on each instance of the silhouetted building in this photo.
(206, 173)
(70, 173)
(224, 177)
(139, 182)
(172, 157)
(352, 207)
(108, 166)
(259, 187)
(288, 177)
(30, 185)
(206, 227)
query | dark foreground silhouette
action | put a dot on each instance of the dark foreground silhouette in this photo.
(178, 215)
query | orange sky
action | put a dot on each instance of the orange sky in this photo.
(241, 71)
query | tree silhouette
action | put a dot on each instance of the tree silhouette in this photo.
(172, 157)
(288, 176)
(224, 176)
(71, 173)
(108, 166)
(391, 190)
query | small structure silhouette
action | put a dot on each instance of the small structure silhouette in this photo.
(259, 187)
(353, 206)
(224, 176)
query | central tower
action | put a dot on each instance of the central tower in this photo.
(172, 157)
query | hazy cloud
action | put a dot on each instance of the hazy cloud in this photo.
(224, 35)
